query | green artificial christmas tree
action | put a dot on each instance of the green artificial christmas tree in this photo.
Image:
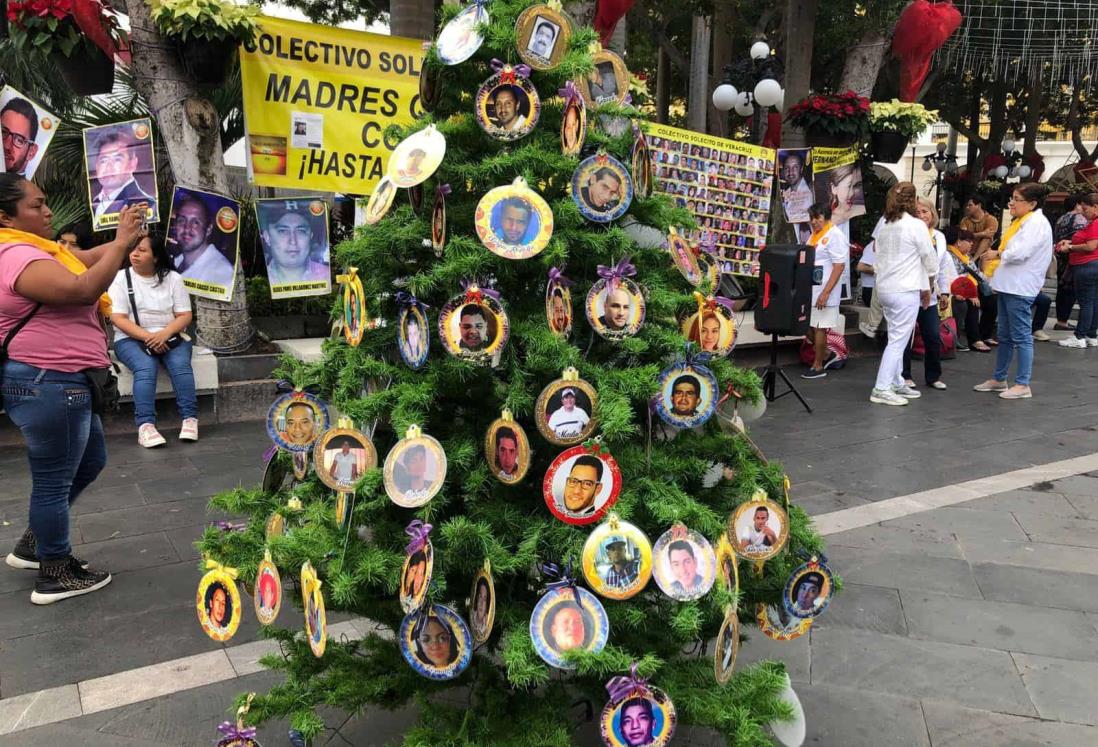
(509, 695)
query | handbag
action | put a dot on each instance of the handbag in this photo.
(103, 385)
(172, 342)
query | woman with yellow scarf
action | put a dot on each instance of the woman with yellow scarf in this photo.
(1025, 254)
(51, 306)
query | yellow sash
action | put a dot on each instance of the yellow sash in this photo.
(10, 236)
(1008, 234)
(815, 238)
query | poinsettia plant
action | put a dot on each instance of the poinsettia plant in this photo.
(205, 20)
(909, 120)
(64, 26)
(836, 114)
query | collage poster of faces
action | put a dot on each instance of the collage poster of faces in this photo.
(121, 171)
(295, 246)
(724, 183)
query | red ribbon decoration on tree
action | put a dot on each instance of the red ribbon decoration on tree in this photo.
(607, 15)
(921, 31)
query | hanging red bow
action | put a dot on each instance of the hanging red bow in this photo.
(921, 31)
(88, 15)
(607, 15)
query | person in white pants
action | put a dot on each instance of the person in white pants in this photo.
(905, 263)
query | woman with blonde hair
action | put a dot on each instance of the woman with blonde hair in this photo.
(929, 319)
(905, 262)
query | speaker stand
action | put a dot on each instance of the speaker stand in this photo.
(771, 374)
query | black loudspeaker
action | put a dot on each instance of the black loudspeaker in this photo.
(785, 289)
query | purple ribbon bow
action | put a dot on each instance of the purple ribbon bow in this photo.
(418, 531)
(229, 731)
(499, 66)
(443, 189)
(622, 687)
(628, 101)
(690, 358)
(269, 453)
(561, 577)
(615, 274)
(228, 526)
(569, 92)
(407, 299)
(466, 285)
(556, 275)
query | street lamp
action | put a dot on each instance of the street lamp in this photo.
(1013, 168)
(760, 78)
(942, 163)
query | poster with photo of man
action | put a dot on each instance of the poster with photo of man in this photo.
(27, 128)
(203, 241)
(121, 171)
(294, 233)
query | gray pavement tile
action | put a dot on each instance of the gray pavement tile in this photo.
(156, 464)
(1077, 485)
(999, 625)
(1087, 506)
(824, 503)
(1026, 500)
(975, 677)
(794, 654)
(921, 535)
(1061, 689)
(106, 498)
(951, 725)
(164, 490)
(1059, 530)
(1037, 586)
(143, 519)
(895, 570)
(183, 539)
(845, 716)
(1066, 558)
(865, 608)
(42, 707)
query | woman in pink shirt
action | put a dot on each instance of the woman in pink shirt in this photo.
(51, 308)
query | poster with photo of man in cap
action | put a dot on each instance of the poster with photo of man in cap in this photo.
(294, 233)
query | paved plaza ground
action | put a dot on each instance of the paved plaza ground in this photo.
(965, 529)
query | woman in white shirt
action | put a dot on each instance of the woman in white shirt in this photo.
(929, 319)
(149, 321)
(1025, 253)
(905, 262)
(832, 256)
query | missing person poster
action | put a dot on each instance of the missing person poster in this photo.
(121, 171)
(795, 181)
(28, 128)
(294, 233)
(837, 181)
(724, 183)
(317, 102)
(204, 241)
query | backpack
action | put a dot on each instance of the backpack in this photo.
(948, 333)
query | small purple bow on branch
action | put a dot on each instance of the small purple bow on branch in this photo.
(628, 100)
(508, 73)
(690, 358)
(560, 578)
(443, 189)
(623, 269)
(569, 93)
(228, 526)
(556, 275)
(419, 532)
(229, 730)
(407, 299)
(622, 687)
(268, 455)
(469, 285)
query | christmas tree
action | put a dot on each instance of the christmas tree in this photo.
(513, 696)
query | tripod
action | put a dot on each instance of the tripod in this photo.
(771, 374)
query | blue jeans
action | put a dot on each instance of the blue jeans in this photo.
(178, 363)
(1015, 333)
(65, 446)
(1085, 278)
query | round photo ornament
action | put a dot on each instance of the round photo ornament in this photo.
(601, 188)
(238, 735)
(218, 602)
(482, 604)
(636, 714)
(567, 617)
(438, 220)
(728, 570)
(342, 455)
(268, 590)
(417, 157)
(727, 648)
(436, 642)
(608, 82)
(573, 123)
(419, 565)
(808, 590)
(275, 473)
(565, 410)
(462, 36)
(381, 199)
(514, 221)
(688, 391)
(615, 303)
(354, 306)
(684, 257)
(758, 528)
(685, 565)
(640, 163)
(582, 483)
(300, 461)
(506, 449)
(415, 469)
(430, 84)
(316, 619)
(617, 559)
(296, 420)
(558, 303)
(473, 325)
(777, 624)
(712, 328)
(413, 330)
(507, 105)
(542, 33)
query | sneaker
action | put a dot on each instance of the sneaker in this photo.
(962, 348)
(64, 578)
(1092, 342)
(832, 360)
(1041, 335)
(148, 436)
(910, 383)
(189, 431)
(813, 373)
(1064, 326)
(1017, 392)
(25, 554)
(939, 385)
(866, 330)
(885, 397)
(1073, 342)
(991, 385)
(907, 392)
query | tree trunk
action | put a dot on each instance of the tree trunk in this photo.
(663, 86)
(699, 94)
(974, 136)
(414, 19)
(1033, 110)
(800, 26)
(863, 63)
(723, 23)
(190, 128)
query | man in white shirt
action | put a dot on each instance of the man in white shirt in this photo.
(569, 421)
(344, 465)
(796, 194)
(197, 258)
